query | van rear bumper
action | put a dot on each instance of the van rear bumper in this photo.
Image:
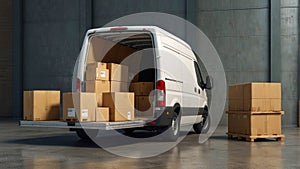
(165, 115)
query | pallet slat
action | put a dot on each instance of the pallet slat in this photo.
(278, 137)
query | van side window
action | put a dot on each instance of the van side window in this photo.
(198, 74)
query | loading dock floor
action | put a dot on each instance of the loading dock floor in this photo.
(59, 148)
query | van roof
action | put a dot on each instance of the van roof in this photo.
(152, 29)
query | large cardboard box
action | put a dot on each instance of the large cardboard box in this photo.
(262, 97)
(116, 86)
(121, 105)
(97, 86)
(79, 106)
(236, 97)
(118, 72)
(97, 74)
(254, 124)
(142, 88)
(102, 114)
(144, 106)
(41, 105)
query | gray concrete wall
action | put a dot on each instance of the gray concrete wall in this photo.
(240, 33)
(289, 60)
(6, 14)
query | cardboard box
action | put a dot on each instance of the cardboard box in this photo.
(254, 124)
(236, 97)
(116, 86)
(144, 106)
(262, 91)
(142, 88)
(41, 105)
(121, 105)
(96, 74)
(97, 86)
(100, 65)
(118, 72)
(102, 114)
(262, 97)
(79, 106)
(99, 97)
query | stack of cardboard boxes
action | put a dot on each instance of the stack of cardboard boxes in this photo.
(106, 98)
(255, 109)
(144, 98)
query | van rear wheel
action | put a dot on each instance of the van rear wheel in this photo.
(172, 133)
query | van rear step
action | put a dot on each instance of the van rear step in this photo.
(278, 137)
(84, 125)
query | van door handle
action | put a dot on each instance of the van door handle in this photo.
(195, 89)
(198, 91)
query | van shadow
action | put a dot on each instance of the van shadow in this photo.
(72, 140)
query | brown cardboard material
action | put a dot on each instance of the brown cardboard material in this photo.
(118, 72)
(262, 91)
(121, 105)
(102, 114)
(41, 105)
(145, 106)
(100, 65)
(96, 74)
(116, 86)
(236, 97)
(254, 124)
(99, 97)
(79, 106)
(97, 86)
(142, 88)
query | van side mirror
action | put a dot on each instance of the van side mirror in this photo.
(209, 82)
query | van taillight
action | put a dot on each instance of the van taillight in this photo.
(161, 93)
(78, 85)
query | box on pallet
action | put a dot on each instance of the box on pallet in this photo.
(255, 97)
(79, 106)
(41, 105)
(121, 105)
(254, 123)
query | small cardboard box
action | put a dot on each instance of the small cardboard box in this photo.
(41, 105)
(102, 114)
(97, 86)
(79, 106)
(121, 105)
(118, 72)
(116, 86)
(142, 88)
(96, 74)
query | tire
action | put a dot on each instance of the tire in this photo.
(172, 133)
(202, 127)
(86, 134)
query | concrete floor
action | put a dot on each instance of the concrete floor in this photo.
(59, 148)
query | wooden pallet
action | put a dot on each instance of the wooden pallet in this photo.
(278, 137)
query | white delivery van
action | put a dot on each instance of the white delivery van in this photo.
(152, 55)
